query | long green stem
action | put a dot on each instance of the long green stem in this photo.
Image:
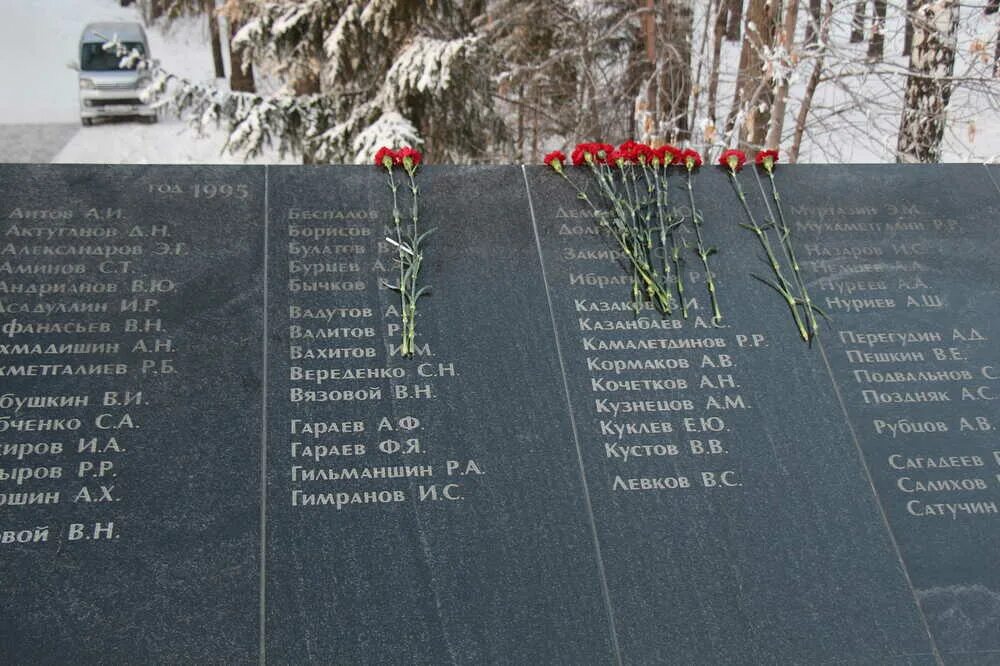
(783, 287)
(417, 260)
(679, 271)
(658, 189)
(786, 243)
(703, 253)
(397, 222)
(617, 224)
(660, 197)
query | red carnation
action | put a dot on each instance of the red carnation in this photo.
(386, 157)
(690, 158)
(668, 154)
(766, 159)
(616, 157)
(629, 150)
(580, 154)
(644, 154)
(732, 158)
(555, 159)
(602, 150)
(409, 154)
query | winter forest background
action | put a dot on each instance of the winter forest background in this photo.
(505, 81)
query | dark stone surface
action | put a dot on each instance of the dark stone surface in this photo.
(993, 171)
(508, 571)
(935, 262)
(792, 564)
(179, 570)
(774, 527)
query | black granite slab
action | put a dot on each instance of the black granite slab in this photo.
(501, 567)
(151, 549)
(790, 562)
(906, 270)
(550, 479)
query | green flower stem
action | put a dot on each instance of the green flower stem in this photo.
(633, 235)
(638, 229)
(616, 224)
(666, 230)
(679, 270)
(786, 243)
(703, 253)
(417, 260)
(648, 214)
(782, 285)
(625, 215)
(397, 223)
(661, 200)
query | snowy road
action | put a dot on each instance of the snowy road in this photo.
(39, 113)
(34, 143)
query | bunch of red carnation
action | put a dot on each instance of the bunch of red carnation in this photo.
(405, 234)
(734, 159)
(406, 157)
(629, 152)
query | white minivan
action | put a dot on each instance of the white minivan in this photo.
(106, 88)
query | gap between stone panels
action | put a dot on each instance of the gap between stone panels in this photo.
(605, 591)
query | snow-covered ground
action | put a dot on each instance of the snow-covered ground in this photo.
(39, 89)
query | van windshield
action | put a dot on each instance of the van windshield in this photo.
(93, 57)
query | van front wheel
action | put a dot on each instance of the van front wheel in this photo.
(87, 122)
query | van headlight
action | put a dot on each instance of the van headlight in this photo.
(86, 84)
(144, 80)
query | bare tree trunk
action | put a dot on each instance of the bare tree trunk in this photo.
(713, 74)
(673, 81)
(787, 40)
(992, 7)
(876, 45)
(643, 122)
(216, 38)
(911, 8)
(752, 92)
(996, 59)
(697, 86)
(308, 83)
(534, 135)
(520, 124)
(814, 79)
(812, 27)
(928, 87)
(858, 22)
(240, 73)
(639, 95)
(734, 18)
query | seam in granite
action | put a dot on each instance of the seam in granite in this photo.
(989, 174)
(878, 503)
(262, 590)
(864, 462)
(605, 591)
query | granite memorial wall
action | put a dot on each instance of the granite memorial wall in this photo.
(212, 450)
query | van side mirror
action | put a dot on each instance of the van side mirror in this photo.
(74, 65)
